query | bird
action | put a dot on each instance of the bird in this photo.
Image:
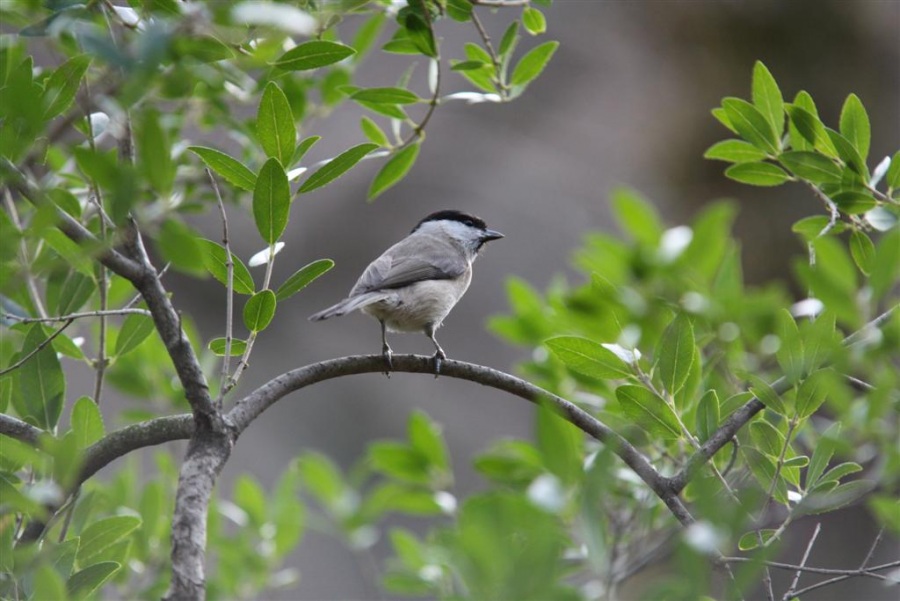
(415, 283)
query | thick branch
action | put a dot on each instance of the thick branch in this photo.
(16, 428)
(131, 438)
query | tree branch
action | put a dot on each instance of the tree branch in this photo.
(16, 428)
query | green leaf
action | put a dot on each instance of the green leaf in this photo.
(100, 535)
(886, 269)
(322, 478)
(459, 10)
(811, 166)
(302, 278)
(722, 117)
(757, 174)
(763, 469)
(425, 437)
(636, 217)
(42, 385)
(838, 472)
(67, 249)
(393, 171)
(76, 289)
(419, 33)
(509, 40)
(531, 65)
(234, 172)
(560, 444)
(850, 155)
(854, 125)
(588, 357)
(751, 124)
(767, 97)
(468, 66)
(303, 147)
(892, 177)
(766, 394)
(259, 310)
(853, 202)
(135, 329)
(385, 96)
(398, 461)
(154, 152)
(790, 352)
(180, 245)
(750, 540)
(373, 132)
(238, 346)
(534, 21)
(271, 201)
(840, 496)
(766, 438)
(813, 392)
(336, 167)
(810, 227)
(313, 54)
(707, 415)
(48, 584)
(82, 584)
(87, 422)
(734, 151)
(63, 84)
(649, 411)
(367, 35)
(249, 496)
(862, 249)
(215, 259)
(275, 124)
(810, 129)
(675, 353)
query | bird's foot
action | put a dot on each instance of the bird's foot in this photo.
(439, 356)
(387, 353)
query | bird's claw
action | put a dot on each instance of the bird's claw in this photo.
(387, 353)
(439, 356)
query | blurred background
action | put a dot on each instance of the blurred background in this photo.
(626, 100)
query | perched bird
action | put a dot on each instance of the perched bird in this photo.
(413, 285)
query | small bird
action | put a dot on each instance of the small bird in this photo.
(415, 283)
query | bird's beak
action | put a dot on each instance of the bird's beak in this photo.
(489, 235)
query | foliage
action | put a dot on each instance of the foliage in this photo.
(664, 342)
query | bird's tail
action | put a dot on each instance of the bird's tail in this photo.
(347, 305)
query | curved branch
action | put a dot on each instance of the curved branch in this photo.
(131, 438)
(179, 427)
(251, 406)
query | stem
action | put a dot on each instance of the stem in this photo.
(37, 349)
(229, 291)
(803, 561)
(74, 316)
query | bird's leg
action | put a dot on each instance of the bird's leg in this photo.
(386, 351)
(439, 354)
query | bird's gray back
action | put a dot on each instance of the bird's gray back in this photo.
(413, 259)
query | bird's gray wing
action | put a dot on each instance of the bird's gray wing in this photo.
(410, 261)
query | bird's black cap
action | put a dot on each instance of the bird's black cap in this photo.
(453, 215)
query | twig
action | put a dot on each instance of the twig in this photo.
(30, 284)
(489, 46)
(871, 552)
(868, 572)
(74, 316)
(229, 291)
(36, 349)
(792, 424)
(809, 546)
